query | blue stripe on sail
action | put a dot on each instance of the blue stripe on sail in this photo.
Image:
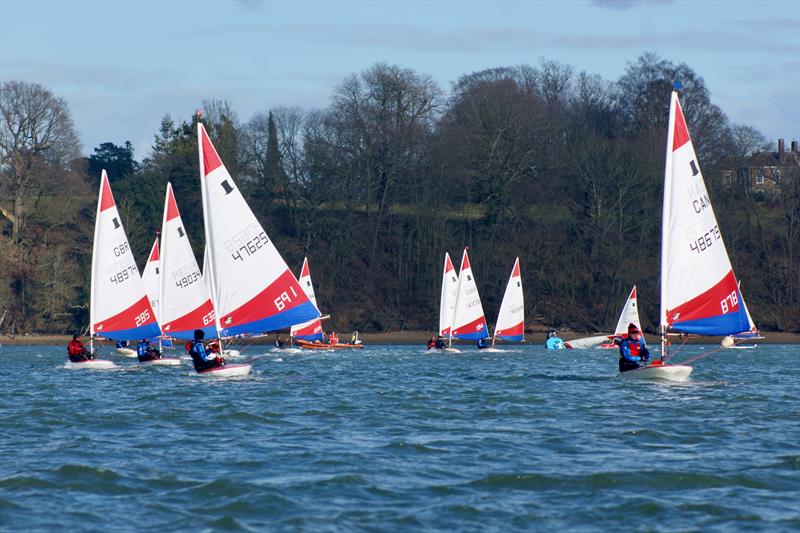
(210, 332)
(510, 338)
(311, 338)
(296, 315)
(148, 331)
(484, 333)
(727, 324)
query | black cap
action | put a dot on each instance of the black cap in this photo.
(198, 334)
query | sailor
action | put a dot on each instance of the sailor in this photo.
(633, 350)
(482, 344)
(554, 342)
(200, 357)
(334, 338)
(439, 343)
(278, 341)
(76, 351)
(432, 342)
(147, 352)
(122, 344)
(354, 338)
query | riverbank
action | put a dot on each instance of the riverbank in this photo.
(419, 337)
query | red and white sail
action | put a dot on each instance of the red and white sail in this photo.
(511, 318)
(447, 300)
(119, 308)
(253, 289)
(629, 315)
(185, 301)
(699, 292)
(468, 319)
(151, 277)
(311, 330)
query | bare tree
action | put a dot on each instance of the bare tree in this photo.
(36, 131)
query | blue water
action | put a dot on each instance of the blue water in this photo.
(395, 439)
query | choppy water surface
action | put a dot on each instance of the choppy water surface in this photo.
(393, 438)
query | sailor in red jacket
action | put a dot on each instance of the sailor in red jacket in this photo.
(76, 351)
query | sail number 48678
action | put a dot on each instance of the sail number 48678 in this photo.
(284, 298)
(705, 241)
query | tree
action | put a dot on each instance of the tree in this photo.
(118, 161)
(36, 131)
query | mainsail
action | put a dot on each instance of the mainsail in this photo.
(510, 320)
(119, 308)
(699, 293)
(447, 300)
(468, 320)
(151, 277)
(253, 289)
(629, 315)
(311, 330)
(185, 302)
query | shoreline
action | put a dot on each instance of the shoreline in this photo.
(417, 337)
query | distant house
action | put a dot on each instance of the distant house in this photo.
(763, 171)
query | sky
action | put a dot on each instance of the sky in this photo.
(122, 65)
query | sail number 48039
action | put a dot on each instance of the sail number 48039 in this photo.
(729, 302)
(284, 298)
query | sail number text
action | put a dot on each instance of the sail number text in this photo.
(143, 317)
(284, 298)
(246, 242)
(705, 241)
(121, 249)
(733, 298)
(122, 275)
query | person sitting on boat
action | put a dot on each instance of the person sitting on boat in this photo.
(333, 339)
(482, 344)
(202, 359)
(554, 342)
(146, 351)
(432, 342)
(440, 343)
(76, 351)
(354, 338)
(633, 351)
(122, 344)
(213, 346)
(278, 341)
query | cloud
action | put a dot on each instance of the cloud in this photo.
(625, 5)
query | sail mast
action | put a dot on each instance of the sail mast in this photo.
(665, 219)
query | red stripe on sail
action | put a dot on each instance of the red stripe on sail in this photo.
(445, 332)
(139, 314)
(312, 329)
(515, 330)
(465, 261)
(681, 132)
(200, 318)
(172, 207)
(211, 159)
(283, 294)
(709, 304)
(106, 198)
(633, 293)
(304, 272)
(515, 272)
(473, 327)
(448, 265)
(154, 252)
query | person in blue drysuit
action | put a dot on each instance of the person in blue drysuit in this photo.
(146, 352)
(482, 344)
(633, 352)
(202, 359)
(554, 342)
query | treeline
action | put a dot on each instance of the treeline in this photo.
(561, 168)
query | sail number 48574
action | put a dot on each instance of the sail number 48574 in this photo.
(284, 298)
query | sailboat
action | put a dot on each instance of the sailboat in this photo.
(629, 315)
(699, 292)
(312, 330)
(151, 276)
(469, 322)
(447, 302)
(252, 289)
(752, 334)
(119, 308)
(510, 324)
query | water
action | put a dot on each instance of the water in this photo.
(396, 439)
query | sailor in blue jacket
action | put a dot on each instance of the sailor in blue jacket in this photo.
(200, 357)
(554, 342)
(146, 352)
(633, 351)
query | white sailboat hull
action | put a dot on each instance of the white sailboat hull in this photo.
(450, 350)
(166, 361)
(585, 343)
(126, 352)
(227, 371)
(658, 372)
(93, 364)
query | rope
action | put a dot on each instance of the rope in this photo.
(684, 341)
(712, 352)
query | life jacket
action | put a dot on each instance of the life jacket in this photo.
(75, 348)
(188, 346)
(635, 347)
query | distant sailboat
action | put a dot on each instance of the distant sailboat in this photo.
(510, 324)
(252, 289)
(629, 315)
(447, 300)
(151, 277)
(469, 322)
(119, 308)
(312, 330)
(699, 292)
